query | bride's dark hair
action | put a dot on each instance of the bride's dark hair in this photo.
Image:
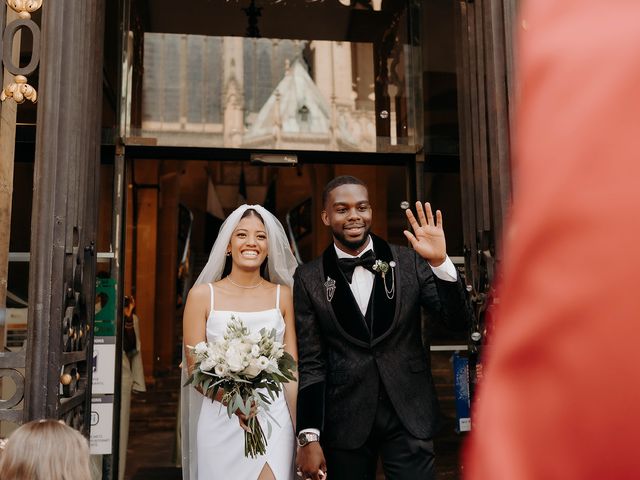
(228, 263)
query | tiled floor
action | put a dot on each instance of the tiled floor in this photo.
(151, 452)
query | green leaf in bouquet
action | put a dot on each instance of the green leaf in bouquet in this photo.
(206, 384)
(238, 403)
(189, 380)
(230, 407)
(271, 394)
(287, 361)
(276, 378)
(238, 379)
(268, 414)
(245, 407)
(214, 392)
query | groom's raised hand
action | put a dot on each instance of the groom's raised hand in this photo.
(428, 237)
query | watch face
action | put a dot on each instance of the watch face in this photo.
(302, 439)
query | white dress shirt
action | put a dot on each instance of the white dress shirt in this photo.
(362, 285)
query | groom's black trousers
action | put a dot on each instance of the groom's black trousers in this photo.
(404, 457)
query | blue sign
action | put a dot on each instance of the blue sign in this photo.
(461, 382)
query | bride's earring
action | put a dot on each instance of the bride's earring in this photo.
(228, 254)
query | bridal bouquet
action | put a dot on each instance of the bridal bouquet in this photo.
(244, 365)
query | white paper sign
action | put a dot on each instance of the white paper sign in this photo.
(104, 365)
(101, 425)
(465, 425)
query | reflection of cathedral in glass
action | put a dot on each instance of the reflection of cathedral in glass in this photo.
(258, 93)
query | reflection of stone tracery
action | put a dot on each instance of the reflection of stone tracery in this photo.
(331, 111)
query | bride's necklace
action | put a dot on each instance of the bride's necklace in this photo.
(246, 286)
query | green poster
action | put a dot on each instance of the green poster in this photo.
(105, 325)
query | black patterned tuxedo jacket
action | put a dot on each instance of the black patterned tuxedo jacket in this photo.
(344, 356)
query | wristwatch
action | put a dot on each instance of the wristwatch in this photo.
(305, 438)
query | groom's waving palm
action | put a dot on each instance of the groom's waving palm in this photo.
(428, 237)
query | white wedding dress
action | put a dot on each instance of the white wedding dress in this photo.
(220, 440)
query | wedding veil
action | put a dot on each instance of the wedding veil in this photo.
(281, 265)
(280, 262)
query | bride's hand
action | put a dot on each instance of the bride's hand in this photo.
(244, 419)
(218, 396)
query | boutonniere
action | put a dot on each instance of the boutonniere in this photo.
(383, 268)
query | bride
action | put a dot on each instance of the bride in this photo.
(250, 274)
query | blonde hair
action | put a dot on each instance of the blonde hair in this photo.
(45, 450)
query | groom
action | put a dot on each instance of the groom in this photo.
(365, 386)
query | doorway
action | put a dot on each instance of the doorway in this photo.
(174, 210)
(206, 90)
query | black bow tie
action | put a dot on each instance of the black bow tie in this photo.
(348, 265)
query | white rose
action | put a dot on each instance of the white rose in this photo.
(254, 337)
(255, 351)
(246, 347)
(221, 370)
(235, 359)
(272, 367)
(277, 350)
(262, 362)
(252, 370)
(200, 348)
(207, 364)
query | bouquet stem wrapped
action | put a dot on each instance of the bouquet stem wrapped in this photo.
(255, 442)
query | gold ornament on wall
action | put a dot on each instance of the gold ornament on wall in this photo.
(19, 90)
(24, 8)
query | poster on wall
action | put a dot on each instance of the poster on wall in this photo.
(105, 308)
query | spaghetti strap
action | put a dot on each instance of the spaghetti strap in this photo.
(211, 303)
(278, 296)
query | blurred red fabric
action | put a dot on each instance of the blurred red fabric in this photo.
(561, 393)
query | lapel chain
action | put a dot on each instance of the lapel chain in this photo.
(390, 292)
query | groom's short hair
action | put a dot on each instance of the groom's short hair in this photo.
(338, 182)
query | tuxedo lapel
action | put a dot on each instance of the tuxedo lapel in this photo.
(392, 311)
(344, 308)
(383, 307)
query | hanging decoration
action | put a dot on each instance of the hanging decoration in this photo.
(19, 90)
